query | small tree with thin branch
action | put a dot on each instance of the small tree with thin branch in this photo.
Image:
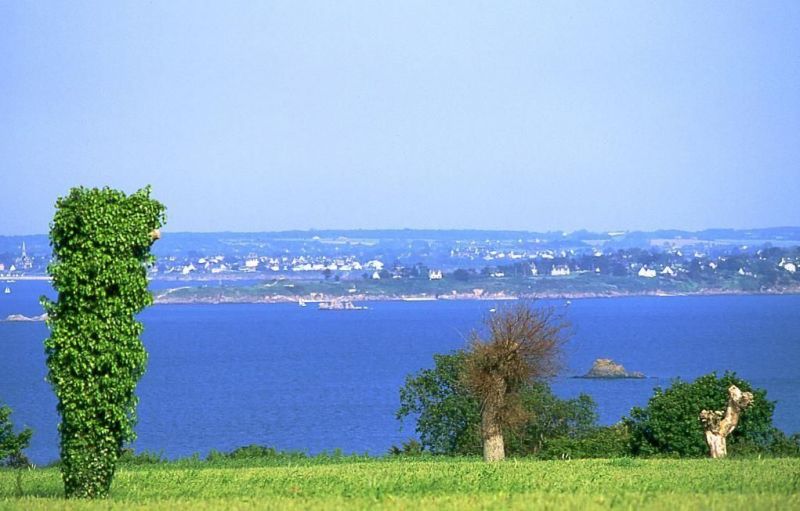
(524, 345)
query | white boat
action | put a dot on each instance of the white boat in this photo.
(301, 302)
(7, 291)
(340, 305)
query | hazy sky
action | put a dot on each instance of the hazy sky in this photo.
(513, 115)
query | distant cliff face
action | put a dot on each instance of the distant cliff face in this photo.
(607, 368)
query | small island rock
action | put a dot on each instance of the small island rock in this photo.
(22, 317)
(607, 368)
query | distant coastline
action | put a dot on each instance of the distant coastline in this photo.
(168, 298)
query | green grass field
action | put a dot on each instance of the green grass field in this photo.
(429, 484)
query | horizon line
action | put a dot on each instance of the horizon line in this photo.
(456, 229)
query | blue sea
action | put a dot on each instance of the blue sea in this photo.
(223, 376)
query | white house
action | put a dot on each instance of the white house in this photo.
(646, 272)
(787, 265)
(534, 270)
(376, 276)
(560, 270)
(434, 274)
(374, 265)
(2, 267)
(668, 271)
(189, 268)
(251, 262)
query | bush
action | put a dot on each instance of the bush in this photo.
(12, 444)
(128, 457)
(551, 418)
(448, 417)
(603, 442)
(670, 423)
(254, 452)
(778, 444)
(409, 448)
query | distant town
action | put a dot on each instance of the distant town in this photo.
(450, 264)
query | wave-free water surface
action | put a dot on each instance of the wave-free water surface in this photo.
(223, 376)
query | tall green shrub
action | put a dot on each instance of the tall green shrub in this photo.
(101, 242)
(11, 444)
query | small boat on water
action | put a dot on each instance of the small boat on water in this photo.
(301, 302)
(340, 305)
(7, 290)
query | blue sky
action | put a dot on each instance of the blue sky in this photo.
(510, 115)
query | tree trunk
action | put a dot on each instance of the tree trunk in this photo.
(492, 435)
(718, 425)
(717, 444)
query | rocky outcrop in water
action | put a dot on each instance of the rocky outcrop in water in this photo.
(22, 317)
(607, 368)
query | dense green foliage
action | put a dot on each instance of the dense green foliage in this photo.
(429, 483)
(670, 424)
(12, 444)
(101, 242)
(448, 416)
(603, 442)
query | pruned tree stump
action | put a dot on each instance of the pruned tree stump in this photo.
(719, 425)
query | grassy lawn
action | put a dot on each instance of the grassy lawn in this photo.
(430, 484)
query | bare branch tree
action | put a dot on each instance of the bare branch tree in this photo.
(524, 345)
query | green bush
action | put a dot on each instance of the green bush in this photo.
(550, 418)
(254, 452)
(129, 457)
(778, 444)
(448, 417)
(101, 243)
(12, 444)
(410, 448)
(602, 442)
(670, 424)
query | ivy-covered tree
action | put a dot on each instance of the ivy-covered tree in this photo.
(101, 242)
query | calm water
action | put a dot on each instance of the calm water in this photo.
(222, 376)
